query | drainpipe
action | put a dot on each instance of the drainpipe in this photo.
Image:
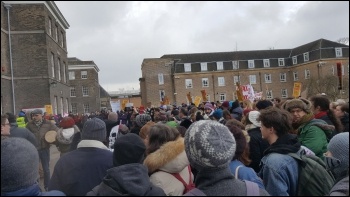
(7, 6)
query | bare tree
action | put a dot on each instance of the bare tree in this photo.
(329, 85)
(344, 40)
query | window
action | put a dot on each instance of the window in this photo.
(85, 91)
(235, 65)
(62, 39)
(188, 83)
(338, 52)
(295, 60)
(160, 79)
(307, 74)
(269, 94)
(56, 36)
(222, 97)
(83, 74)
(333, 70)
(73, 92)
(55, 105)
(86, 108)
(64, 72)
(205, 82)
(74, 108)
(187, 67)
(161, 95)
(71, 75)
(252, 79)
(267, 78)
(343, 69)
(236, 79)
(59, 69)
(221, 81)
(208, 98)
(52, 65)
(266, 63)
(283, 77)
(220, 65)
(306, 57)
(204, 66)
(284, 93)
(61, 103)
(251, 64)
(50, 27)
(280, 62)
(295, 76)
(66, 106)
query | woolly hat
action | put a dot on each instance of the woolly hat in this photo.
(225, 104)
(22, 114)
(339, 147)
(67, 122)
(19, 164)
(301, 103)
(94, 129)
(246, 111)
(262, 104)
(217, 114)
(208, 106)
(209, 144)
(235, 104)
(37, 111)
(252, 116)
(128, 149)
(142, 119)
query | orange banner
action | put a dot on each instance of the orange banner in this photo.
(296, 89)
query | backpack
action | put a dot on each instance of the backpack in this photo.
(252, 188)
(314, 179)
(189, 186)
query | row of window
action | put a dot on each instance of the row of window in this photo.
(84, 89)
(83, 75)
(61, 68)
(61, 40)
(74, 108)
(63, 107)
(251, 64)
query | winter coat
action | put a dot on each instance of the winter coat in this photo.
(40, 132)
(345, 122)
(16, 131)
(33, 190)
(63, 142)
(78, 171)
(129, 179)
(245, 173)
(341, 188)
(169, 158)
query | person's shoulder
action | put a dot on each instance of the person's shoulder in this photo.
(53, 193)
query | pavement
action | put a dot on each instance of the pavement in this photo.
(54, 156)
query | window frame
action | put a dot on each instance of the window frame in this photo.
(82, 75)
(222, 97)
(50, 26)
(338, 52)
(295, 76)
(295, 60)
(236, 78)
(53, 65)
(59, 69)
(307, 74)
(268, 78)
(71, 76)
(284, 76)
(251, 64)
(161, 95)
(86, 108)
(219, 65)
(281, 62)
(306, 57)
(188, 83)
(160, 79)
(204, 66)
(187, 67)
(269, 94)
(73, 91)
(221, 81)
(85, 91)
(250, 79)
(266, 63)
(285, 95)
(235, 65)
(203, 82)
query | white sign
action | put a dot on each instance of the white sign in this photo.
(248, 92)
(115, 105)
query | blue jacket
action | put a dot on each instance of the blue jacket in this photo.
(33, 190)
(245, 173)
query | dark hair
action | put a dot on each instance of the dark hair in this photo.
(184, 111)
(279, 119)
(262, 104)
(241, 143)
(160, 134)
(11, 117)
(234, 122)
(226, 113)
(175, 112)
(182, 130)
(199, 116)
(344, 107)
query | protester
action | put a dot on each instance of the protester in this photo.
(5, 127)
(16, 131)
(341, 113)
(65, 134)
(20, 169)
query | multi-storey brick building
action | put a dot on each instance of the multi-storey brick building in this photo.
(84, 86)
(33, 56)
(128, 96)
(272, 72)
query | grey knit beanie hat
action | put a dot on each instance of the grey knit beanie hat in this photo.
(19, 164)
(142, 119)
(94, 129)
(339, 147)
(209, 144)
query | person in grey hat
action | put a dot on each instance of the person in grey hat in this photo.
(78, 171)
(337, 160)
(210, 147)
(39, 126)
(20, 169)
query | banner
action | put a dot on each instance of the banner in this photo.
(248, 92)
(115, 105)
(239, 92)
(204, 95)
(48, 109)
(258, 95)
(125, 101)
(197, 100)
(296, 89)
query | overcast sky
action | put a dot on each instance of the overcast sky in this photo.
(117, 36)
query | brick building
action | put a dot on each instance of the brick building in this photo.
(36, 32)
(272, 72)
(129, 96)
(84, 86)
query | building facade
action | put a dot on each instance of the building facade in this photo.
(84, 86)
(272, 72)
(33, 57)
(129, 97)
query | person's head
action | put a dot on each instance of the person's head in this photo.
(263, 104)
(337, 155)
(218, 114)
(144, 131)
(297, 107)
(94, 129)
(241, 143)
(226, 114)
(113, 116)
(182, 130)
(142, 119)
(276, 101)
(208, 108)
(19, 164)
(11, 117)
(67, 122)
(174, 112)
(160, 134)
(247, 104)
(209, 145)
(319, 104)
(37, 115)
(183, 112)
(234, 122)
(128, 149)
(225, 105)
(252, 117)
(333, 105)
(5, 126)
(274, 123)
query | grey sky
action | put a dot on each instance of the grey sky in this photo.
(117, 36)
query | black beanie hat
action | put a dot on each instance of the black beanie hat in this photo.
(128, 149)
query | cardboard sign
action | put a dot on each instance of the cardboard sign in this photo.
(48, 109)
(197, 100)
(296, 89)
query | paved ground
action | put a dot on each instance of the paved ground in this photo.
(54, 156)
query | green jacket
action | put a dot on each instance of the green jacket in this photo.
(315, 135)
(21, 122)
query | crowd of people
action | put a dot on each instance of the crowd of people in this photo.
(222, 149)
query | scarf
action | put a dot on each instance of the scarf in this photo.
(319, 115)
(303, 120)
(285, 144)
(38, 123)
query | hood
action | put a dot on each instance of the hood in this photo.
(171, 157)
(129, 179)
(328, 129)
